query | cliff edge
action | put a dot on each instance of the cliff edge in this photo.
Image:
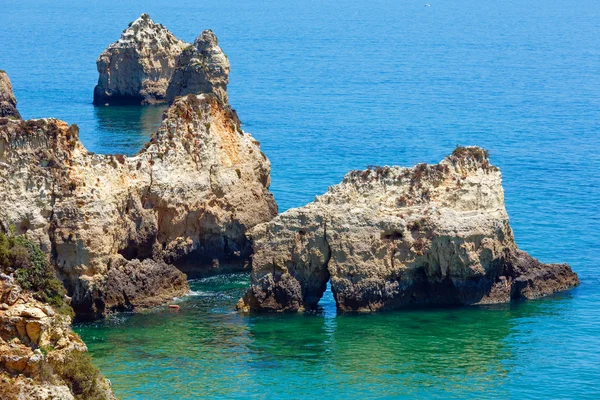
(120, 230)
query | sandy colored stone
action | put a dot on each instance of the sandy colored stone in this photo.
(22, 387)
(25, 370)
(33, 312)
(149, 65)
(183, 203)
(8, 102)
(20, 326)
(14, 363)
(391, 237)
(34, 329)
(13, 295)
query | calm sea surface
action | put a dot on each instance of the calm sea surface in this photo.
(329, 86)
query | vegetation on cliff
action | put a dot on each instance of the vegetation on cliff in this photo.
(40, 356)
(32, 270)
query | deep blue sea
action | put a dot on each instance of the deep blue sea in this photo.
(326, 87)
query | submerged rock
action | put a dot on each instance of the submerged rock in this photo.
(149, 65)
(8, 102)
(184, 203)
(394, 237)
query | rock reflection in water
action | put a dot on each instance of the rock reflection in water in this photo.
(433, 352)
(123, 129)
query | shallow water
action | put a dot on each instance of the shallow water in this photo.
(331, 86)
(534, 349)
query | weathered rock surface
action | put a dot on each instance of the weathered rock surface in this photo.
(392, 237)
(8, 102)
(138, 67)
(149, 65)
(186, 201)
(38, 350)
(201, 68)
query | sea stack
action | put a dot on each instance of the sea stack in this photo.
(201, 68)
(391, 237)
(149, 65)
(8, 102)
(121, 231)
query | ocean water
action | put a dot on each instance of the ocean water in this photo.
(327, 87)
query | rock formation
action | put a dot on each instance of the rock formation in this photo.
(40, 356)
(201, 68)
(8, 103)
(119, 229)
(149, 65)
(393, 237)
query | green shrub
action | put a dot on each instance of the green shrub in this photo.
(33, 272)
(46, 349)
(80, 375)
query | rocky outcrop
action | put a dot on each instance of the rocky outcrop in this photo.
(120, 229)
(137, 68)
(394, 237)
(40, 356)
(201, 68)
(8, 103)
(149, 65)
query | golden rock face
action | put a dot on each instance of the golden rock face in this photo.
(34, 339)
(183, 203)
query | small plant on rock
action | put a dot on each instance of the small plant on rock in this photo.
(32, 270)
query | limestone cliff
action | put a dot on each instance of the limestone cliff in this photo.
(8, 102)
(117, 227)
(392, 237)
(40, 356)
(149, 65)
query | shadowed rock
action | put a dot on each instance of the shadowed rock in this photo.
(391, 237)
(186, 200)
(8, 102)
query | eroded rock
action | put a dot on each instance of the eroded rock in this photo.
(8, 102)
(185, 201)
(40, 356)
(393, 237)
(201, 68)
(149, 65)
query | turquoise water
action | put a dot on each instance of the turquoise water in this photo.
(536, 349)
(327, 87)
